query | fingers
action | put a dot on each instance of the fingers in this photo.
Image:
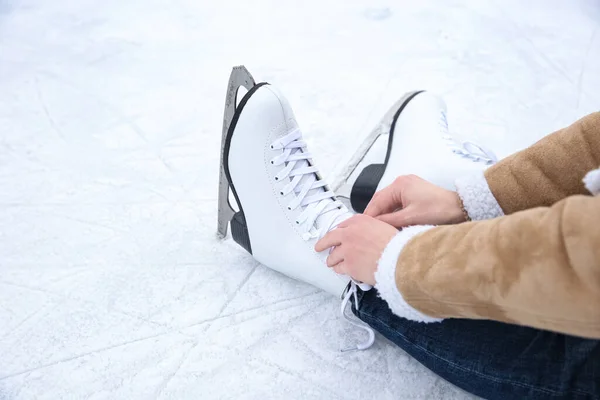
(333, 238)
(339, 269)
(335, 257)
(336, 236)
(350, 221)
(383, 202)
(399, 219)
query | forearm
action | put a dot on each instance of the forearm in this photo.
(539, 176)
(539, 268)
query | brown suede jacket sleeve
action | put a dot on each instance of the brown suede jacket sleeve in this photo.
(539, 265)
(539, 268)
(549, 170)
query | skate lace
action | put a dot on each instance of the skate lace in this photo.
(352, 294)
(304, 179)
(466, 149)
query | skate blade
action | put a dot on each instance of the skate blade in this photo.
(342, 185)
(240, 77)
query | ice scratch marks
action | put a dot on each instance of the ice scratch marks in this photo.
(275, 305)
(115, 346)
(548, 59)
(51, 121)
(584, 65)
(24, 321)
(171, 375)
(236, 291)
(311, 382)
(249, 316)
(122, 117)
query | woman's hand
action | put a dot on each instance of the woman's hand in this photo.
(357, 247)
(411, 200)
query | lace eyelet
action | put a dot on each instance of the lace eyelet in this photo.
(272, 147)
(272, 162)
(276, 178)
(289, 208)
(281, 193)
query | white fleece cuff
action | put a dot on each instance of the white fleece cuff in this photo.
(592, 182)
(385, 276)
(477, 198)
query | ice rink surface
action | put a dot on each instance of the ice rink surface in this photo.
(113, 284)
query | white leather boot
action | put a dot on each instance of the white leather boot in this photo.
(418, 143)
(284, 205)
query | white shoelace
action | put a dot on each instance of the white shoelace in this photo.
(466, 149)
(316, 204)
(304, 179)
(352, 292)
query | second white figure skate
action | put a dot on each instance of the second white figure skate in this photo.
(284, 205)
(412, 138)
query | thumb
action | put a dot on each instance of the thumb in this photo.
(399, 219)
(385, 201)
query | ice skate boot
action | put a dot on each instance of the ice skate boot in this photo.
(417, 142)
(284, 204)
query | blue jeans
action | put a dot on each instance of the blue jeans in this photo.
(491, 359)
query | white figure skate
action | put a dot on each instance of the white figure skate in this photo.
(284, 205)
(418, 142)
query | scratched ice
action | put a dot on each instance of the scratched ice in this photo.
(113, 284)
